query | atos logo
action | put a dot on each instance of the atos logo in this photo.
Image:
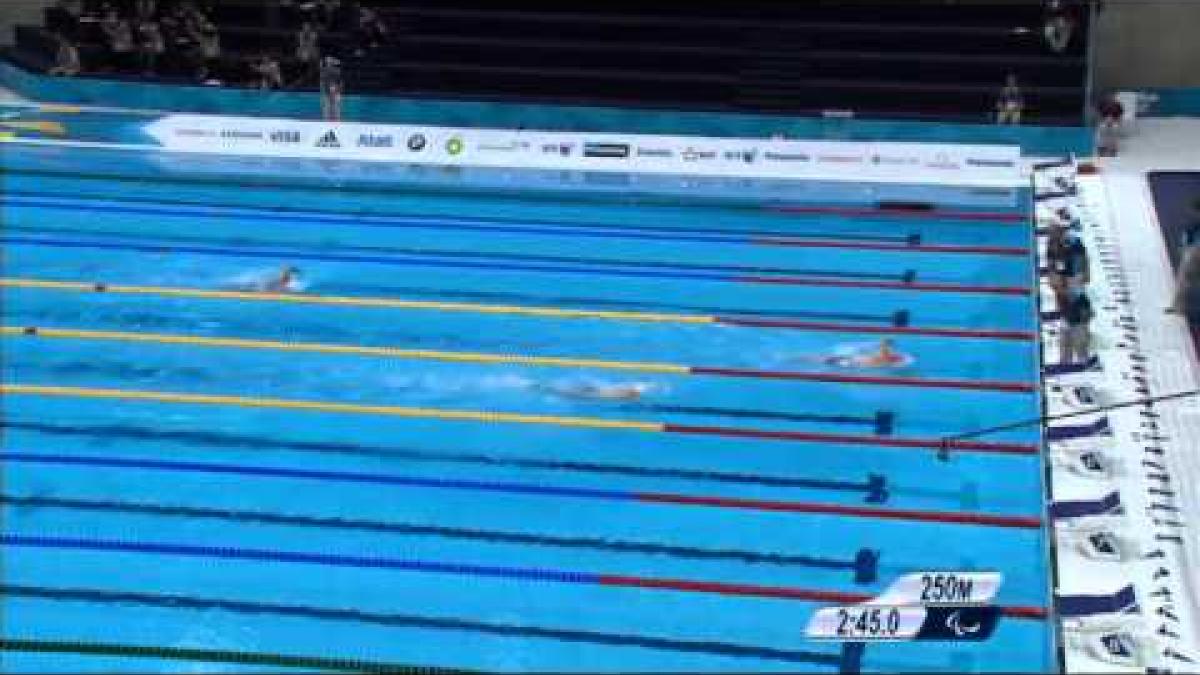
(374, 141)
(285, 136)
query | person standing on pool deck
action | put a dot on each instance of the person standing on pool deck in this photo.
(1188, 274)
(1075, 342)
(1011, 102)
(331, 88)
(1069, 268)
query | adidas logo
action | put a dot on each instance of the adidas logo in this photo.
(329, 140)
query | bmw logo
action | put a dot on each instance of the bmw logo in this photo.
(416, 142)
(454, 146)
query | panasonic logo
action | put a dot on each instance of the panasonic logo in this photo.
(787, 157)
(613, 150)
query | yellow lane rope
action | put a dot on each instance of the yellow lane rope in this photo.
(325, 406)
(391, 303)
(314, 347)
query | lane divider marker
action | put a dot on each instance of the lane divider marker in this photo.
(519, 226)
(828, 279)
(515, 310)
(901, 247)
(446, 568)
(11, 389)
(879, 212)
(477, 357)
(534, 490)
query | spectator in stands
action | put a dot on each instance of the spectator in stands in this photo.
(181, 39)
(210, 45)
(63, 19)
(205, 77)
(1059, 27)
(331, 88)
(1069, 267)
(1075, 342)
(1011, 102)
(369, 30)
(329, 14)
(118, 36)
(145, 10)
(66, 62)
(299, 12)
(151, 45)
(1187, 276)
(308, 52)
(269, 74)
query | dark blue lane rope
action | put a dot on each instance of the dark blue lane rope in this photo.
(414, 529)
(300, 557)
(874, 485)
(511, 225)
(386, 253)
(189, 602)
(400, 261)
(311, 474)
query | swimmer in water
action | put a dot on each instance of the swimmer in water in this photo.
(630, 391)
(287, 282)
(885, 356)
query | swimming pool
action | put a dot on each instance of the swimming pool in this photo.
(399, 467)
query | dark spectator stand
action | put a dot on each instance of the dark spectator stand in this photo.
(914, 59)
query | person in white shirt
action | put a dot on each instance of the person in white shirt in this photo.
(1011, 103)
(151, 45)
(270, 76)
(1059, 27)
(67, 60)
(210, 44)
(308, 51)
(331, 88)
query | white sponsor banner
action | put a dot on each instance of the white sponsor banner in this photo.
(994, 165)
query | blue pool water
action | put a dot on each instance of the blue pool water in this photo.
(246, 531)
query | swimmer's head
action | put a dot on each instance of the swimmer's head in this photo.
(630, 391)
(289, 273)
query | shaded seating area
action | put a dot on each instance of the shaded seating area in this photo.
(940, 60)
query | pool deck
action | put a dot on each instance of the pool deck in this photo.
(1144, 353)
